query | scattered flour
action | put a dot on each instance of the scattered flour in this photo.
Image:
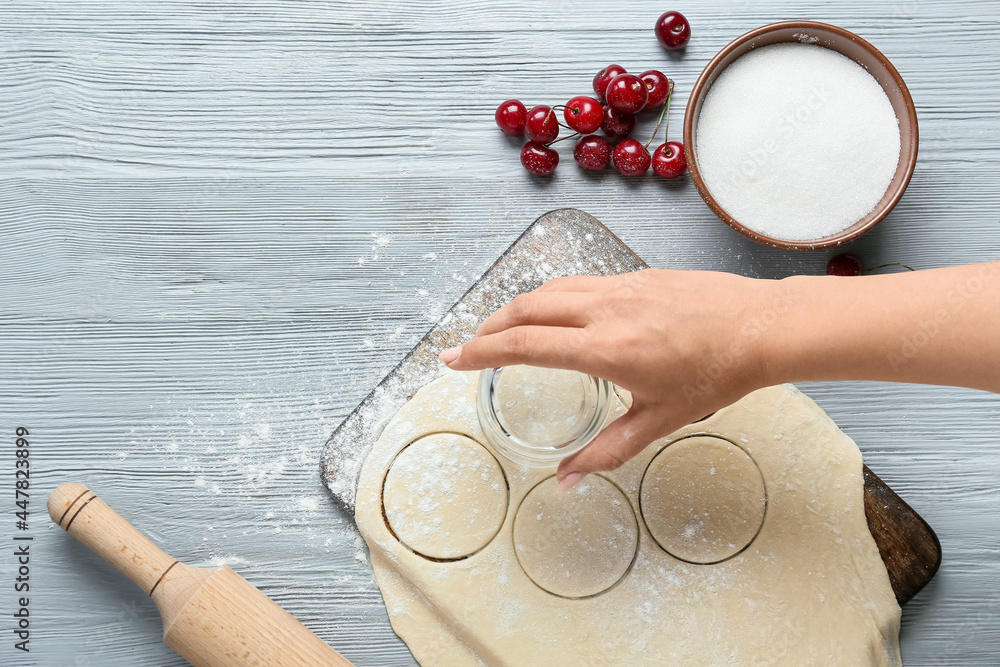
(308, 504)
(360, 554)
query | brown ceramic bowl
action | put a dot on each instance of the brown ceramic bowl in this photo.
(858, 50)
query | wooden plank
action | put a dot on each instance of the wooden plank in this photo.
(908, 546)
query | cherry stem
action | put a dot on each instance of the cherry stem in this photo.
(568, 136)
(552, 111)
(876, 268)
(666, 111)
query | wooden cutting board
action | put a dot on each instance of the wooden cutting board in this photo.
(570, 242)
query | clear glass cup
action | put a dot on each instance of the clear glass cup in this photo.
(539, 416)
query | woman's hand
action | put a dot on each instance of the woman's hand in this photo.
(684, 343)
(687, 343)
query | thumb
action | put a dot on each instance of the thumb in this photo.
(620, 441)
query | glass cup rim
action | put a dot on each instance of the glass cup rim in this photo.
(522, 452)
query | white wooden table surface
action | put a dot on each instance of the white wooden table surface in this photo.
(222, 223)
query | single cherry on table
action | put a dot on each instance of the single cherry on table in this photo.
(617, 125)
(511, 117)
(592, 152)
(584, 114)
(542, 125)
(631, 158)
(539, 159)
(627, 93)
(673, 30)
(668, 160)
(845, 264)
(658, 86)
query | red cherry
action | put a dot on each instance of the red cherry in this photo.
(631, 158)
(542, 125)
(539, 159)
(673, 30)
(604, 77)
(657, 86)
(593, 152)
(668, 160)
(510, 117)
(617, 125)
(584, 114)
(627, 93)
(844, 265)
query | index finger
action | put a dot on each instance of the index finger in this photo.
(548, 347)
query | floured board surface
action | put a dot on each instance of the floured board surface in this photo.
(570, 242)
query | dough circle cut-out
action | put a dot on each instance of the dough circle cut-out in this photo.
(444, 496)
(703, 499)
(579, 543)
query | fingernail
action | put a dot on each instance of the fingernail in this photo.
(570, 480)
(450, 355)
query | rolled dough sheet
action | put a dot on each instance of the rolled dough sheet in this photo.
(579, 579)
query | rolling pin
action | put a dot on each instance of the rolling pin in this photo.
(213, 617)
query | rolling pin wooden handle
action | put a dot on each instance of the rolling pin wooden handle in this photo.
(211, 616)
(86, 517)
